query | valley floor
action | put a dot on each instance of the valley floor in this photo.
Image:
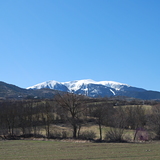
(73, 150)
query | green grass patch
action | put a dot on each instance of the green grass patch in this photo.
(57, 150)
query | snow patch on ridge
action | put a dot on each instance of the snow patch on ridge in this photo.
(112, 92)
(76, 85)
(112, 84)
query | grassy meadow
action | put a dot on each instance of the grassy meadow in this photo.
(68, 149)
(74, 150)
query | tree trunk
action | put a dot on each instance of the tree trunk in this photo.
(74, 131)
(48, 132)
(135, 134)
(79, 128)
(100, 132)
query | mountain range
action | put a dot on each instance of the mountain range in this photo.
(93, 88)
(86, 87)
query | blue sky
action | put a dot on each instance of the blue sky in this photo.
(65, 40)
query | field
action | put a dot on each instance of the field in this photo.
(74, 150)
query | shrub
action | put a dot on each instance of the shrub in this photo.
(39, 136)
(87, 135)
(115, 135)
(32, 135)
(55, 134)
(64, 134)
(27, 135)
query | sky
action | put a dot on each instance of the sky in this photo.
(67, 40)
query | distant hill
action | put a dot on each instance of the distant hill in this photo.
(9, 91)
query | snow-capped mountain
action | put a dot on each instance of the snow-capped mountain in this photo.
(92, 88)
(76, 85)
(85, 87)
(51, 85)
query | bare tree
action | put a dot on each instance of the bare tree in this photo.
(10, 116)
(36, 118)
(72, 108)
(154, 120)
(102, 113)
(136, 118)
(47, 116)
(117, 126)
(22, 116)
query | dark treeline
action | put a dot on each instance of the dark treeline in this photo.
(29, 117)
